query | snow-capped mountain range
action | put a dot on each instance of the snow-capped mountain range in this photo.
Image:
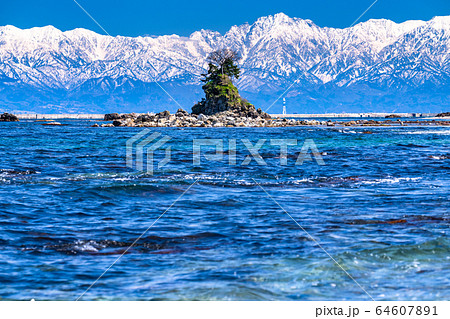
(376, 65)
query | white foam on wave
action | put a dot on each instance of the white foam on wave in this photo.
(391, 180)
(439, 132)
(87, 176)
(303, 180)
(439, 157)
(90, 246)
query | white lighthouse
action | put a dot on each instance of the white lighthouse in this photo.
(284, 106)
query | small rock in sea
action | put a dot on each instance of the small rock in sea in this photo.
(95, 125)
(112, 117)
(392, 116)
(6, 117)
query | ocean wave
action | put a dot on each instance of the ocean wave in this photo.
(108, 176)
(426, 132)
(391, 180)
(420, 250)
(149, 244)
(354, 180)
(16, 172)
(439, 157)
(8, 176)
(276, 181)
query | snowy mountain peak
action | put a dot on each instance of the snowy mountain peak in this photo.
(276, 50)
(281, 17)
(441, 22)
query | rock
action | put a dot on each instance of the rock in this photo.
(144, 118)
(6, 117)
(221, 96)
(112, 117)
(181, 113)
(95, 125)
(128, 116)
(446, 114)
(163, 114)
(392, 116)
(242, 117)
(128, 122)
(253, 114)
(311, 122)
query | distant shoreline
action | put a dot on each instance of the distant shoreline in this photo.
(324, 115)
(60, 116)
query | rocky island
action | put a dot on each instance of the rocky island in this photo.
(224, 107)
(6, 117)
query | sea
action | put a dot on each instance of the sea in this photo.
(359, 213)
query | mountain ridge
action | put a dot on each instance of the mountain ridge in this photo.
(368, 67)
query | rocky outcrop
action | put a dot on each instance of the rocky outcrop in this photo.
(6, 117)
(228, 119)
(112, 117)
(183, 119)
(223, 96)
(446, 114)
(117, 116)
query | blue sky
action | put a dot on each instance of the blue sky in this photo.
(140, 17)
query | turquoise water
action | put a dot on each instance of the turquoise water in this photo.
(69, 207)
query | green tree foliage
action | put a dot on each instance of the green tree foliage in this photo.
(221, 63)
(220, 92)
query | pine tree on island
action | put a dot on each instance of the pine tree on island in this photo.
(220, 93)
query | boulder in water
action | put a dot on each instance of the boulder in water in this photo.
(7, 117)
(112, 117)
(392, 116)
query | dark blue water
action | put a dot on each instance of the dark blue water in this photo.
(69, 207)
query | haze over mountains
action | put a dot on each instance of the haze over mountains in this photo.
(374, 66)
